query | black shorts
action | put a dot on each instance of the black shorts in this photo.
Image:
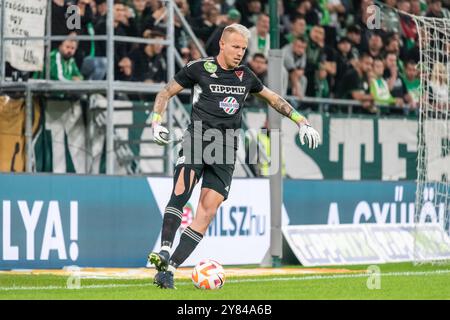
(216, 175)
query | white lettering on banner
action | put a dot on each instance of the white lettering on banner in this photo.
(352, 134)
(237, 221)
(391, 134)
(437, 136)
(25, 18)
(9, 252)
(51, 242)
(30, 221)
(333, 213)
(52, 237)
(391, 212)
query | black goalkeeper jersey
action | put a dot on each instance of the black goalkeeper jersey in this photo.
(218, 95)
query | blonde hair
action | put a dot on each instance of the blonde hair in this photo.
(439, 73)
(238, 28)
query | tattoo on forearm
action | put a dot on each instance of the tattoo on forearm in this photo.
(163, 97)
(283, 107)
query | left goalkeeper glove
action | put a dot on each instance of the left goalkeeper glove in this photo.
(311, 134)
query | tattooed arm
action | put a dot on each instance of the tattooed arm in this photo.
(162, 98)
(283, 107)
(160, 133)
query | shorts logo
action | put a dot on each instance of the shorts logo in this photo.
(210, 67)
(229, 105)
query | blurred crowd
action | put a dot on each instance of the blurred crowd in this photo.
(329, 50)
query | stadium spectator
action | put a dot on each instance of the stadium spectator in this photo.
(392, 76)
(141, 19)
(148, 62)
(355, 83)
(354, 35)
(329, 10)
(259, 65)
(205, 25)
(297, 28)
(93, 67)
(212, 44)
(343, 59)
(412, 82)
(416, 8)
(318, 58)
(101, 9)
(294, 55)
(260, 38)
(63, 66)
(408, 26)
(439, 86)
(375, 45)
(306, 9)
(193, 53)
(435, 10)
(251, 11)
(59, 22)
(379, 89)
(121, 60)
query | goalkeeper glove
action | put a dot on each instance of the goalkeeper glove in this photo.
(311, 134)
(160, 133)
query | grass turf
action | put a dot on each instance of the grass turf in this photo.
(397, 281)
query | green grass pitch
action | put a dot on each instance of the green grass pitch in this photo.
(397, 281)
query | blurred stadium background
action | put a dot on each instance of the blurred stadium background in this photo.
(84, 185)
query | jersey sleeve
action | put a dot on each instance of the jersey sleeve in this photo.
(188, 76)
(256, 84)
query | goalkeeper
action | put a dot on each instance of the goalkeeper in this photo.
(219, 88)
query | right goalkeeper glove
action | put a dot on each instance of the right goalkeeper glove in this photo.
(160, 133)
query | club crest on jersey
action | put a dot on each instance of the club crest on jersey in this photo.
(229, 105)
(209, 66)
(239, 74)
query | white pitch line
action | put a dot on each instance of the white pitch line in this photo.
(299, 278)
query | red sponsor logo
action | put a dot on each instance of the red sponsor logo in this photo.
(239, 74)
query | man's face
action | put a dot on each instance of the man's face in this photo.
(435, 7)
(393, 46)
(259, 65)
(155, 49)
(139, 5)
(68, 48)
(411, 71)
(344, 47)
(298, 47)
(375, 42)
(366, 64)
(119, 12)
(233, 46)
(263, 25)
(254, 6)
(318, 35)
(299, 26)
(378, 68)
(391, 60)
(404, 6)
(355, 37)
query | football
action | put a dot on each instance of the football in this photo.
(208, 274)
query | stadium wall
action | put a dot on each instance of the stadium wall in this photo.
(52, 221)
